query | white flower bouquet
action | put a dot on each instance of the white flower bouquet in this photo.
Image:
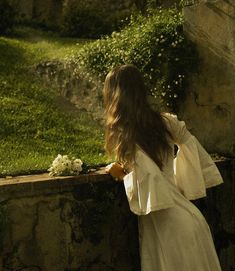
(64, 166)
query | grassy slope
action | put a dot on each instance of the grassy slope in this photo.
(34, 128)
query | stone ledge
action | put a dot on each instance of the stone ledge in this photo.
(66, 223)
(43, 184)
(28, 186)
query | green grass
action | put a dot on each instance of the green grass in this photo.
(34, 126)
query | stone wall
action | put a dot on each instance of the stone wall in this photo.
(209, 106)
(219, 209)
(84, 223)
(58, 224)
(73, 85)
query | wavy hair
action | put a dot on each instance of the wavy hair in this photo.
(130, 121)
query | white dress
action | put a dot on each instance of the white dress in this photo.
(173, 233)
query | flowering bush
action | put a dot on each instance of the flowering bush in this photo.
(156, 44)
(63, 165)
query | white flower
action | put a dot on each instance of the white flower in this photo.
(63, 165)
(77, 165)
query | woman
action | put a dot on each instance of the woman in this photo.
(173, 233)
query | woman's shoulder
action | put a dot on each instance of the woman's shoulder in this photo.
(170, 119)
(176, 127)
(169, 116)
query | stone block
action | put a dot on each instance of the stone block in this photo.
(210, 94)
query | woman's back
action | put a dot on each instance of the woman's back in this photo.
(173, 233)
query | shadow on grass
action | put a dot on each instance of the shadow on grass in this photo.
(34, 35)
(11, 56)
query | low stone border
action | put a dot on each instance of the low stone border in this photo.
(32, 185)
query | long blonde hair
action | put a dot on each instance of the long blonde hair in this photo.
(130, 121)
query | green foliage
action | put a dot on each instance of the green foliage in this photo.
(90, 21)
(154, 43)
(84, 22)
(188, 2)
(34, 128)
(7, 17)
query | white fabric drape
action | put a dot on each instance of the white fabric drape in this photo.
(146, 187)
(194, 171)
(192, 160)
(173, 233)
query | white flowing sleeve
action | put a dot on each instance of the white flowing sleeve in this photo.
(194, 168)
(146, 187)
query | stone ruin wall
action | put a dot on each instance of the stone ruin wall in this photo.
(209, 106)
(74, 223)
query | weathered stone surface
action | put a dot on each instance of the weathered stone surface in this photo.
(82, 92)
(210, 96)
(218, 208)
(86, 226)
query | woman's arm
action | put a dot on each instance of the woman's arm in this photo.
(195, 171)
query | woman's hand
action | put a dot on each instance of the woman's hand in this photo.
(116, 171)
